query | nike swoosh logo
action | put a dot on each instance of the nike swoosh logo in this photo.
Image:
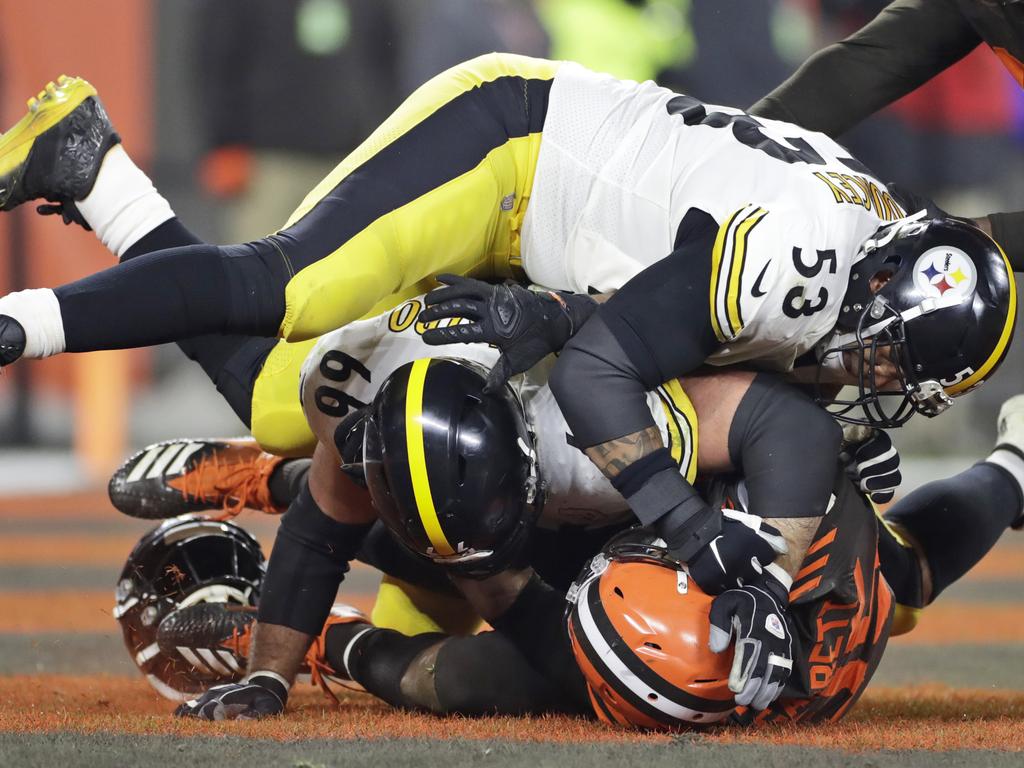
(756, 291)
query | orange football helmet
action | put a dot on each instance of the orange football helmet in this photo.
(639, 630)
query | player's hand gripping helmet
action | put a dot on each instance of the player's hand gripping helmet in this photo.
(639, 629)
(185, 561)
(944, 318)
(452, 471)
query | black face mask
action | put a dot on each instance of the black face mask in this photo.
(901, 398)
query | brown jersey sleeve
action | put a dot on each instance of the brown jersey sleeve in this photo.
(908, 43)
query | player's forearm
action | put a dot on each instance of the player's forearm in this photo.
(799, 533)
(603, 399)
(907, 44)
(278, 649)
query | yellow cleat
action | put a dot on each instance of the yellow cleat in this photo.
(55, 151)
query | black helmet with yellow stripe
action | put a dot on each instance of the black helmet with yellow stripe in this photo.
(452, 471)
(944, 316)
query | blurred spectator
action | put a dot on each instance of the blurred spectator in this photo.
(633, 39)
(433, 35)
(289, 87)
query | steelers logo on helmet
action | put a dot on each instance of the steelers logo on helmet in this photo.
(945, 272)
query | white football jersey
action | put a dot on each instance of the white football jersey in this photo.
(346, 368)
(620, 165)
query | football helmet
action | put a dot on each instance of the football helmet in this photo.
(944, 319)
(452, 471)
(639, 629)
(185, 561)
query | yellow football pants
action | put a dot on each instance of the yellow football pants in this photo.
(441, 186)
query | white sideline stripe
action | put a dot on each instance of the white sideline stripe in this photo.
(229, 658)
(144, 462)
(158, 466)
(147, 653)
(213, 662)
(179, 463)
(625, 676)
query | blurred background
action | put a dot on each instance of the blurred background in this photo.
(238, 107)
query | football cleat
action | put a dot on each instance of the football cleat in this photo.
(207, 636)
(180, 476)
(56, 150)
(12, 340)
(218, 637)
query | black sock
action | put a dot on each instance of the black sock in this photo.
(171, 234)
(176, 294)
(957, 521)
(379, 659)
(232, 362)
(286, 480)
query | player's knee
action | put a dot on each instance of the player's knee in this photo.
(486, 675)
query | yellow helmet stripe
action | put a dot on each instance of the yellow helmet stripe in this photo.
(1004, 337)
(418, 460)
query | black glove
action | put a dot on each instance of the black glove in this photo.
(737, 555)
(260, 696)
(873, 464)
(525, 325)
(755, 617)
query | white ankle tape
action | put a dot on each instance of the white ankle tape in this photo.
(38, 311)
(1009, 460)
(268, 673)
(124, 205)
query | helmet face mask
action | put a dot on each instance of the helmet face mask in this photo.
(894, 402)
(942, 317)
(452, 471)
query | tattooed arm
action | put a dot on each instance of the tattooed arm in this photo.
(615, 455)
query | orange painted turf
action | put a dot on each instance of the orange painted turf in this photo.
(932, 717)
(923, 717)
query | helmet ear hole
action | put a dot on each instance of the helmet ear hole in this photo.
(879, 280)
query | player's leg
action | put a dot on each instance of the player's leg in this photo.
(939, 532)
(441, 186)
(482, 674)
(98, 186)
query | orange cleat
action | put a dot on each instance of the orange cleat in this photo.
(177, 477)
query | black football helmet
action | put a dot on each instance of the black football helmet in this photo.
(185, 561)
(452, 471)
(945, 318)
